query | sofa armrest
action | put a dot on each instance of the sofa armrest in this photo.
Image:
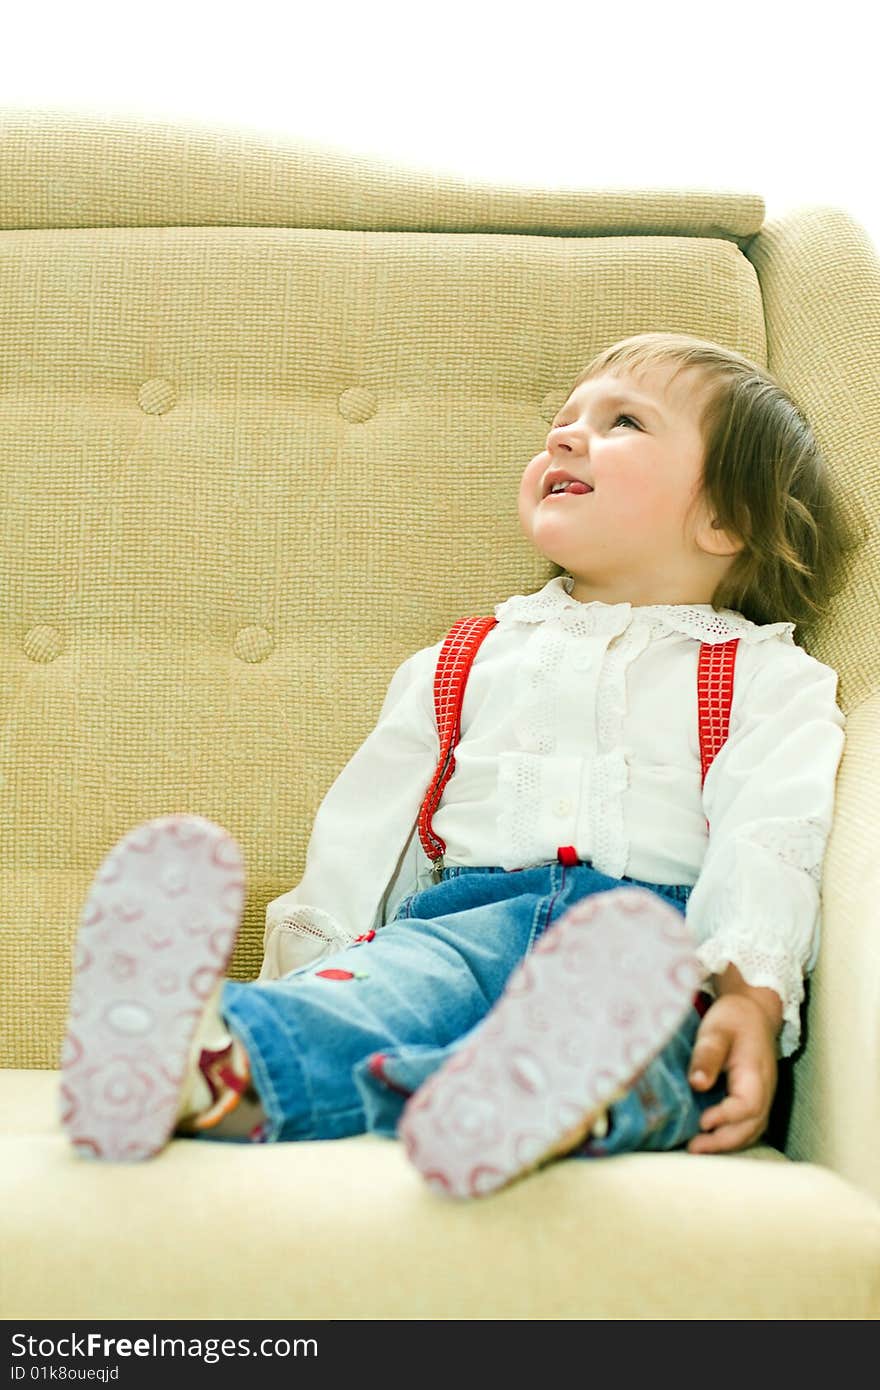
(835, 1119)
(820, 280)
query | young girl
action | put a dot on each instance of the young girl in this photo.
(608, 952)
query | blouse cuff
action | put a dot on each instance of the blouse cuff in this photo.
(298, 936)
(763, 969)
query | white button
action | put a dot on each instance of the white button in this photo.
(563, 807)
(581, 657)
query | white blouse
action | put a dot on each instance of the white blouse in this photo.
(580, 727)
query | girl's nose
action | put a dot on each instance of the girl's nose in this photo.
(566, 437)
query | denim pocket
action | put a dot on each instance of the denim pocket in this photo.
(675, 893)
(403, 907)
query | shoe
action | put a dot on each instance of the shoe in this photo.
(605, 989)
(156, 933)
(219, 1073)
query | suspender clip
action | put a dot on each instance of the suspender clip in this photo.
(437, 870)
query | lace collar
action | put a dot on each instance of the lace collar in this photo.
(699, 620)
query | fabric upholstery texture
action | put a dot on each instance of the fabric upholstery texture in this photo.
(264, 407)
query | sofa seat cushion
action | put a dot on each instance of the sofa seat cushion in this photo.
(347, 1229)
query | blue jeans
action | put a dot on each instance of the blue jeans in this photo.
(338, 1054)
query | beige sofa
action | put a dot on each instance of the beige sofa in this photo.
(264, 409)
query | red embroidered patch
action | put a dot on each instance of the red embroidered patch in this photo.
(335, 974)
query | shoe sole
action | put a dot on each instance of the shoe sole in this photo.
(602, 993)
(156, 933)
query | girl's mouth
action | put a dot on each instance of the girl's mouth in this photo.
(570, 490)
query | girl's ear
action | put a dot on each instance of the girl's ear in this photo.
(715, 541)
(709, 535)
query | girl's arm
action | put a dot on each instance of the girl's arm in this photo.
(361, 833)
(769, 799)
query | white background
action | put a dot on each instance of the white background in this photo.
(771, 98)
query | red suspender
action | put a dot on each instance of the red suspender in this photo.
(714, 696)
(453, 665)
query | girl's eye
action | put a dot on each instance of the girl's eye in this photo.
(560, 424)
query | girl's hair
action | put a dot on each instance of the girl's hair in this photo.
(764, 477)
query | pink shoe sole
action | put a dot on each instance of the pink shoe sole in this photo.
(155, 936)
(601, 994)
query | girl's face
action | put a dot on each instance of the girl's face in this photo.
(638, 447)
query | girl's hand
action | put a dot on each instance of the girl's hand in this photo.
(736, 1037)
